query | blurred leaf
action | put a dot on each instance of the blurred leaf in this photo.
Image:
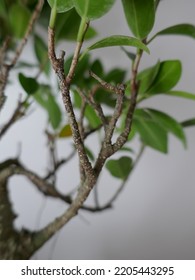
(47, 101)
(65, 131)
(118, 40)
(3, 11)
(140, 16)
(126, 149)
(92, 118)
(41, 53)
(97, 68)
(19, 17)
(168, 76)
(89, 153)
(61, 5)
(130, 55)
(67, 26)
(152, 134)
(153, 127)
(29, 84)
(119, 168)
(168, 123)
(82, 68)
(146, 77)
(181, 94)
(188, 123)
(179, 29)
(93, 9)
(115, 75)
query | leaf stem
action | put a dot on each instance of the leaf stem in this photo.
(53, 17)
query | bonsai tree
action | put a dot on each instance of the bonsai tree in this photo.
(107, 105)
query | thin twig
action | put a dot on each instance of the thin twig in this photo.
(97, 107)
(17, 114)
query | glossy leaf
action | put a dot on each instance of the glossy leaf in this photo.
(19, 17)
(140, 16)
(119, 40)
(93, 9)
(120, 168)
(179, 29)
(47, 101)
(168, 76)
(29, 84)
(41, 53)
(61, 5)
(65, 132)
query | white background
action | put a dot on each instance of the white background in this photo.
(154, 216)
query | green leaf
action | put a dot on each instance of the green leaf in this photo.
(93, 9)
(2, 9)
(89, 153)
(168, 123)
(118, 40)
(65, 132)
(168, 76)
(181, 94)
(29, 84)
(47, 101)
(120, 168)
(81, 71)
(71, 20)
(41, 53)
(179, 29)
(130, 55)
(19, 17)
(92, 118)
(61, 5)
(188, 123)
(146, 77)
(140, 16)
(152, 134)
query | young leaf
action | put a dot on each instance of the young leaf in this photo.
(168, 76)
(179, 29)
(92, 9)
(19, 17)
(47, 101)
(65, 132)
(29, 84)
(61, 5)
(140, 16)
(119, 40)
(120, 168)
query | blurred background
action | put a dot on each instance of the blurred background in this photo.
(154, 216)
